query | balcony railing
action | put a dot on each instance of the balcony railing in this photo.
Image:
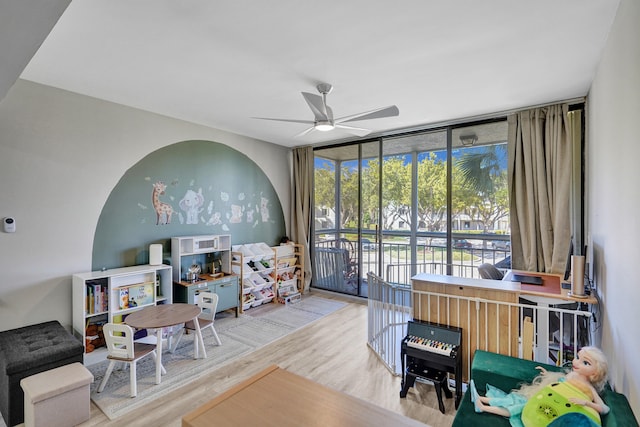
(352, 260)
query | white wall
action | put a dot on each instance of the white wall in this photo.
(613, 176)
(61, 154)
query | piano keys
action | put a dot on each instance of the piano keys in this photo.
(431, 351)
(431, 345)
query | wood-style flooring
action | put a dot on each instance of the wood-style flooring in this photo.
(332, 351)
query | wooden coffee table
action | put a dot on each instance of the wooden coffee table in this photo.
(275, 397)
(163, 316)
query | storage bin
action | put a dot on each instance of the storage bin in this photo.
(58, 397)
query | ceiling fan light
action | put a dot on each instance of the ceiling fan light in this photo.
(324, 126)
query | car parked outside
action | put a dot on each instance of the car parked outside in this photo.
(366, 245)
(501, 245)
(462, 244)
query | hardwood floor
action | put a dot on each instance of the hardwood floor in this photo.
(332, 351)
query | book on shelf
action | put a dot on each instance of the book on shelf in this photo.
(97, 298)
(285, 290)
(89, 302)
(141, 294)
(123, 301)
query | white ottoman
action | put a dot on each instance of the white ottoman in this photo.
(57, 397)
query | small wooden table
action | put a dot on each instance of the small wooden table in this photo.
(163, 316)
(276, 397)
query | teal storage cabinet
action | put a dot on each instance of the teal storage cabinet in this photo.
(226, 288)
(228, 292)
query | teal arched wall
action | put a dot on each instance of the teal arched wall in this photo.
(210, 188)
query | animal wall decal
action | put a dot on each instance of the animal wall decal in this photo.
(163, 210)
(232, 210)
(191, 204)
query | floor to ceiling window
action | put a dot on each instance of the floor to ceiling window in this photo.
(431, 201)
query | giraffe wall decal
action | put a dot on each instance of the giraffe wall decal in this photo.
(163, 210)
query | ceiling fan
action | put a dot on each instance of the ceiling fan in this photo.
(323, 114)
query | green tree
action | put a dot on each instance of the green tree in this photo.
(370, 173)
(432, 193)
(349, 206)
(396, 191)
(325, 185)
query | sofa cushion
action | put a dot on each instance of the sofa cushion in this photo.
(504, 372)
(620, 412)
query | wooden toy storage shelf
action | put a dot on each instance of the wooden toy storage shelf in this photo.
(266, 272)
(254, 264)
(99, 297)
(289, 269)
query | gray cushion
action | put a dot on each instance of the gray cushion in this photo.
(31, 346)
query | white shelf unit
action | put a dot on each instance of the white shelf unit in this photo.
(202, 250)
(254, 263)
(96, 296)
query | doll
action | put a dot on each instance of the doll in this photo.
(551, 395)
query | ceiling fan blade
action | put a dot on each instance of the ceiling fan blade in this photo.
(317, 106)
(307, 122)
(354, 130)
(304, 132)
(373, 114)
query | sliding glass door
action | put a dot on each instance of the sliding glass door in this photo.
(433, 201)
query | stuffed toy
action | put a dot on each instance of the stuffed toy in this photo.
(94, 337)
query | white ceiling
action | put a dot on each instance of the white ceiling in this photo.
(221, 62)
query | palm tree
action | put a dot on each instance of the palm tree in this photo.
(480, 169)
(483, 172)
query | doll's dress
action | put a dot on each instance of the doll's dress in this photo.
(548, 405)
(512, 402)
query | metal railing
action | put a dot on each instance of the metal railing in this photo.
(360, 258)
(390, 307)
(388, 314)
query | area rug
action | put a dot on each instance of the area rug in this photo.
(239, 335)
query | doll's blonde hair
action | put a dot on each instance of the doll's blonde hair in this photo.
(598, 380)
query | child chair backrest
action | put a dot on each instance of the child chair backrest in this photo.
(119, 338)
(208, 301)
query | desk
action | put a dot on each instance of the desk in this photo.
(276, 397)
(163, 316)
(551, 288)
(545, 295)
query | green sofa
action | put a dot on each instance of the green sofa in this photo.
(508, 373)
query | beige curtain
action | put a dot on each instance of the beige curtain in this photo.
(540, 150)
(303, 204)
